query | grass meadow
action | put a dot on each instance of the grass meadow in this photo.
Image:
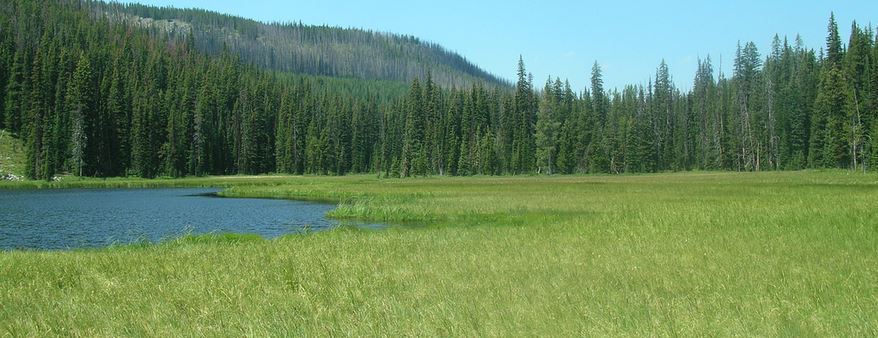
(690, 254)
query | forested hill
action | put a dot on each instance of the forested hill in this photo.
(306, 49)
(91, 96)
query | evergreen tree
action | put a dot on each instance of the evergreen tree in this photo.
(412, 142)
(15, 92)
(81, 105)
(35, 121)
(547, 127)
(522, 158)
(747, 73)
(856, 67)
(598, 96)
(828, 144)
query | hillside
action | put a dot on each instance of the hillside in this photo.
(12, 158)
(307, 49)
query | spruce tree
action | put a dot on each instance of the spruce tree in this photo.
(413, 135)
(829, 146)
(80, 105)
(546, 128)
(15, 93)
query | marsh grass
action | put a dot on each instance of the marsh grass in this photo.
(696, 254)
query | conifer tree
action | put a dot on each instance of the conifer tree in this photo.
(15, 92)
(828, 146)
(80, 105)
(413, 136)
(546, 128)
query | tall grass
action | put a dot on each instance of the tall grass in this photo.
(698, 254)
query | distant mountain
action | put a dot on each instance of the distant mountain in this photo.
(306, 49)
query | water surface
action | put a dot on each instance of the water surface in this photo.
(63, 219)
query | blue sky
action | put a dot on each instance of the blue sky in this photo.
(564, 38)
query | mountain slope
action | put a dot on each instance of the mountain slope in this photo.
(306, 49)
(12, 157)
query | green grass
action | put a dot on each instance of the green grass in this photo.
(12, 156)
(697, 254)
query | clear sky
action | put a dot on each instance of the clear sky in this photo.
(564, 38)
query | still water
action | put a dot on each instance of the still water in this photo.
(64, 219)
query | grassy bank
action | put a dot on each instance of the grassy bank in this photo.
(676, 254)
(12, 157)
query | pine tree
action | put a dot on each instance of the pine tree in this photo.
(644, 144)
(547, 127)
(747, 72)
(598, 96)
(300, 123)
(567, 146)
(314, 146)
(468, 132)
(803, 96)
(833, 43)
(431, 126)
(523, 122)
(487, 154)
(198, 143)
(856, 64)
(359, 134)
(80, 104)
(7, 52)
(704, 97)
(453, 134)
(872, 115)
(116, 113)
(35, 121)
(412, 142)
(15, 92)
(829, 146)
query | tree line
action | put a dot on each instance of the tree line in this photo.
(92, 96)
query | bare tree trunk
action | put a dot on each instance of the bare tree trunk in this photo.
(855, 133)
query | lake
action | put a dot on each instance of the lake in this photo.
(82, 218)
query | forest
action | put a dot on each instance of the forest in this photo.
(91, 95)
(304, 49)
